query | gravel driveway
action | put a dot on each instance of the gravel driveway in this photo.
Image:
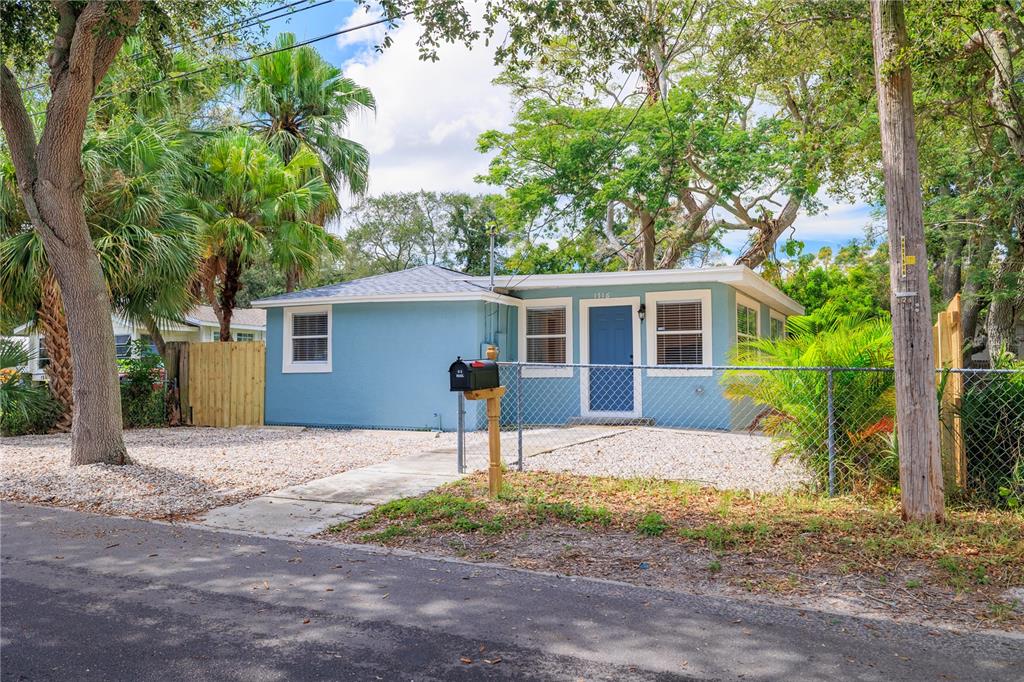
(179, 471)
(728, 461)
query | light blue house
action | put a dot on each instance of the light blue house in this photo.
(374, 352)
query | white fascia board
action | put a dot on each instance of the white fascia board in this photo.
(488, 296)
(244, 327)
(739, 276)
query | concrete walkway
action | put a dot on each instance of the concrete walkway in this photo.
(300, 511)
(309, 508)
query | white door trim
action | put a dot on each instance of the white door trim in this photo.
(585, 306)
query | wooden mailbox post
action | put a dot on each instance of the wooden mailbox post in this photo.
(493, 398)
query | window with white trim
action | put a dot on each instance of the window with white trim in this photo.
(777, 327)
(307, 339)
(679, 333)
(746, 322)
(245, 336)
(545, 335)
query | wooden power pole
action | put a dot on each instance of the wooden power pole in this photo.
(917, 412)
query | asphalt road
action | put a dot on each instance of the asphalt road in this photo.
(87, 597)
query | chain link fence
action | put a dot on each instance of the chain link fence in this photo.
(830, 429)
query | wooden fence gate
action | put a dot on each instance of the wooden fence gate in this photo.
(222, 383)
(948, 339)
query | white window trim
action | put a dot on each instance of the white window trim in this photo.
(775, 315)
(538, 372)
(652, 299)
(753, 305)
(585, 306)
(289, 367)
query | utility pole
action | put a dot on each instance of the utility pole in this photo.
(917, 412)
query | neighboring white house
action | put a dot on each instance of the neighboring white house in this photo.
(247, 324)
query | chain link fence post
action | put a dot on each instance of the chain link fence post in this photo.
(519, 414)
(460, 438)
(831, 434)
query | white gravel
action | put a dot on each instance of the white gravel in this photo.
(728, 461)
(180, 471)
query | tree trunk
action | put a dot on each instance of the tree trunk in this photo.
(49, 172)
(951, 265)
(53, 327)
(921, 486)
(1006, 299)
(229, 287)
(972, 298)
(96, 417)
(153, 329)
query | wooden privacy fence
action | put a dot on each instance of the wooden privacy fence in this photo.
(948, 338)
(221, 383)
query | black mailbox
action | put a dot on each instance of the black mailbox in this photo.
(473, 375)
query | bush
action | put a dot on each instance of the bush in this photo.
(143, 399)
(795, 403)
(992, 415)
(25, 406)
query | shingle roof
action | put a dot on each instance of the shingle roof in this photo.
(424, 279)
(203, 314)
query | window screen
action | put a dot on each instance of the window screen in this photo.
(309, 337)
(778, 328)
(680, 333)
(545, 335)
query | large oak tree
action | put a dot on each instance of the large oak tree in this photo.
(81, 41)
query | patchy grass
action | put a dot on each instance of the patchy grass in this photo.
(768, 543)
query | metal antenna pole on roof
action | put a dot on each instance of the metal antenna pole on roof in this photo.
(491, 252)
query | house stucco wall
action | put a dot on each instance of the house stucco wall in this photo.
(389, 366)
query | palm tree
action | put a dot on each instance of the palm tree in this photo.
(298, 99)
(252, 203)
(147, 245)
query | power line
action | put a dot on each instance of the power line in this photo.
(208, 67)
(246, 22)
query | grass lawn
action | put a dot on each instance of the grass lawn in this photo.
(801, 549)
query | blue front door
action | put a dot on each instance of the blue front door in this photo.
(611, 343)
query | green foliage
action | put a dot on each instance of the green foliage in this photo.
(25, 406)
(854, 281)
(652, 525)
(142, 391)
(562, 166)
(392, 232)
(299, 100)
(992, 418)
(794, 403)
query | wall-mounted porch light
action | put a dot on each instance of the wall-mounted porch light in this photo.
(641, 312)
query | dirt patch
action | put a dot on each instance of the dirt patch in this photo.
(846, 555)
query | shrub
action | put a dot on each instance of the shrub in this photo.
(795, 403)
(652, 525)
(992, 418)
(143, 400)
(25, 406)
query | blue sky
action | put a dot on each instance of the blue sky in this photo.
(429, 114)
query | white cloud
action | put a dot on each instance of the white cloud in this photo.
(429, 114)
(369, 36)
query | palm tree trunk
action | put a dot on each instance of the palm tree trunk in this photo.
(230, 285)
(54, 330)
